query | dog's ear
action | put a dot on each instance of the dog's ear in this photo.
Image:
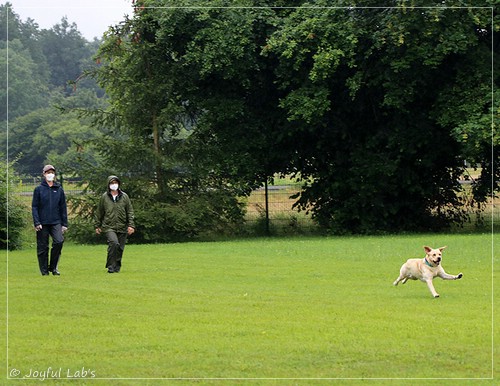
(441, 249)
(427, 249)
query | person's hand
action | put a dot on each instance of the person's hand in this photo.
(64, 229)
(97, 231)
(130, 230)
(38, 227)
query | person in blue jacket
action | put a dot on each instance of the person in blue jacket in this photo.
(50, 218)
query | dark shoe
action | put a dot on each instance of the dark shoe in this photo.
(111, 271)
(55, 272)
(45, 274)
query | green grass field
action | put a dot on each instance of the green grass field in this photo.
(283, 310)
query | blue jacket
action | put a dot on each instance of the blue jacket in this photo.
(49, 205)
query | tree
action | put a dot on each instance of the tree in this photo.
(34, 57)
(46, 134)
(28, 34)
(353, 101)
(368, 91)
(195, 61)
(66, 50)
(26, 91)
(12, 218)
(10, 23)
(146, 124)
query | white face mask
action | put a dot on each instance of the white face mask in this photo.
(50, 177)
(113, 186)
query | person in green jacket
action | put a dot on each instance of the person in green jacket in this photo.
(115, 218)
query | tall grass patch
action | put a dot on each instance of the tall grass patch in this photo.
(268, 308)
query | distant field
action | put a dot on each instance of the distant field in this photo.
(276, 309)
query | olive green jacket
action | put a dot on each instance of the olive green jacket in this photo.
(113, 215)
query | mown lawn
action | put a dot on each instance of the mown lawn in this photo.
(282, 309)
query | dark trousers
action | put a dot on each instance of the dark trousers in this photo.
(116, 245)
(42, 247)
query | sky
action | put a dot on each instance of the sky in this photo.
(92, 17)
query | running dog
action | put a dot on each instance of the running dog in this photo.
(425, 269)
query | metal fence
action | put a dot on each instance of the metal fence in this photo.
(271, 210)
(273, 215)
(25, 186)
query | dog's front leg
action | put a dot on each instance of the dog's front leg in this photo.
(431, 287)
(445, 276)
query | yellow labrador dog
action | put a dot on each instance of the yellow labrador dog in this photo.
(425, 269)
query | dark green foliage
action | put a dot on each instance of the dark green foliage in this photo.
(40, 64)
(376, 110)
(187, 206)
(373, 95)
(12, 212)
(66, 51)
(45, 135)
(365, 105)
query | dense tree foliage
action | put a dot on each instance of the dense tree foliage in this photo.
(66, 52)
(48, 98)
(40, 65)
(43, 66)
(26, 91)
(375, 109)
(376, 96)
(12, 217)
(45, 134)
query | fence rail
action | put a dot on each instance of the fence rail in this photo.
(25, 186)
(281, 216)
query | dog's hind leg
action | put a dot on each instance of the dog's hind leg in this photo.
(401, 279)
